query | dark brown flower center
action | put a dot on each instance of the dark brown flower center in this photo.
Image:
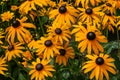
(11, 47)
(108, 13)
(39, 67)
(62, 9)
(58, 31)
(62, 52)
(108, 4)
(89, 11)
(48, 43)
(91, 36)
(99, 61)
(15, 23)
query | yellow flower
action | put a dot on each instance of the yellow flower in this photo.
(32, 14)
(52, 4)
(2, 65)
(65, 13)
(27, 55)
(14, 7)
(65, 53)
(89, 38)
(59, 32)
(108, 6)
(25, 64)
(6, 16)
(107, 20)
(33, 44)
(1, 36)
(13, 50)
(41, 69)
(118, 23)
(86, 2)
(30, 5)
(43, 12)
(99, 65)
(17, 29)
(116, 3)
(90, 15)
(79, 27)
(48, 47)
(109, 26)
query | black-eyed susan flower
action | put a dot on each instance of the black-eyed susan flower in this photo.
(2, 65)
(109, 26)
(65, 53)
(34, 42)
(6, 16)
(17, 30)
(99, 65)
(84, 3)
(25, 63)
(118, 23)
(65, 13)
(13, 50)
(59, 32)
(108, 19)
(52, 4)
(79, 27)
(30, 5)
(1, 36)
(90, 15)
(116, 3)
(41, 69)
(14, 7)
(27, 55)
(43, 12)
(89, 38)
(108, 6)
(48, 47)
(32, 14)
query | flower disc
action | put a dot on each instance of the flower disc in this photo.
(89, 11)
(99, 61)
(39, 66)
(62, 52)
(91, 36)
(16, 23)
(62, 9)
(48, 43)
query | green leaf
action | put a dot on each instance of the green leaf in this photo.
(21, 77)
(114, 78)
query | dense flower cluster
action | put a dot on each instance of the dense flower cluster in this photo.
(41, 36)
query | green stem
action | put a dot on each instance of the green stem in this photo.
(28, 48)
(106, 32)
(30, 51)
(40, 23)
(20, 65)
(2, 7)
(10, 77)
(57, 1)
(118, 40)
